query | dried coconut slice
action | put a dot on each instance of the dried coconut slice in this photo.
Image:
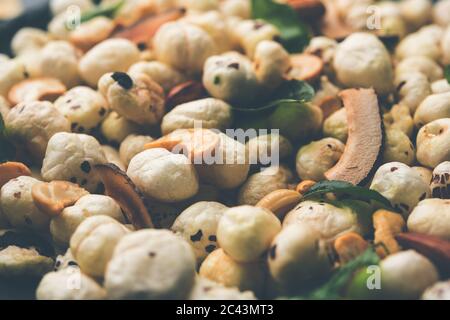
(365, 137)
(185, 92)
(143, 31)
(120, 187)
(305, 66)
(310, 10)
(38, 89)
(332, 26)
(52, 197)
(92, 32)
(12, 170)
(194, 143)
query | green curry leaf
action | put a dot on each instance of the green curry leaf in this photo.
(295, 35)
(342, 188)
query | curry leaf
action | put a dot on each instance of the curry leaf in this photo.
(336, 285)
(108, 10)
(294, 34)
(293, 91)
(447, 73)
(342, 188)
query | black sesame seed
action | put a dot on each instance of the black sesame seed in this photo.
(212, 238)
(72, 264)
(216, 80)
(102, 111)
(234, 65)
(123, 79)
(142, 46)
(85, 166)
(73, 126)
(197, 237)
(210, 248)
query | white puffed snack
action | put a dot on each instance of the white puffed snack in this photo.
(116, 128)
(230, 77)
(69, 284)
(64, 225)
(210, 113)
(230, 168)
(72, 157)
(412, 87)
(262, 183)
(432, 217)
(93, 243)
(131, 146)
(314, 159)
(109, 56)
(435, 106)
(328, 220)
(298, 257)
(361, 60)
(163, 176)
(11, 72)
(18, 206)
(422, 64)
(198, 225)
(433, 143)
(183, 46)
(406, 274)
(29, 39)
(136, 98)
(84, 107)
(246, 232)
(151, 264)
(34, 123)
(272, 63)
(205, 289)
(163, 74)
(401, 185)
(59, 59)
(398, 147)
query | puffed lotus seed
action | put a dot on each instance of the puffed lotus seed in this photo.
(245, 232)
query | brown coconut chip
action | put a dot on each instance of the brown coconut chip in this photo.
(143, 31)
(434, 248)
(37, 89)
(194, 143)
(52, 197)
(185, 92)
(120, 187)
(305, 66)
(365, 137)
(309, 10)
(12, 170)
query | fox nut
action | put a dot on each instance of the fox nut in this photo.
(401, 185)
(211, 113)
(433, 107)
(433, 143)
(93, 243)
(183, 46)
(230, 77)
(71, 157)
(262, 183)
(406, 274)
(18, 207)
(138, 99)
(246, 232)
(163, 176)
(314, 159)
(271, 63)
(298, 258)
(84, 107)
(431, 217)
(35, 123)
(64, 225)
(163, 74)
(398, 147)
(361, 60)
(198, 226)
(150, 264)
(112, 55)
(131, 146)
